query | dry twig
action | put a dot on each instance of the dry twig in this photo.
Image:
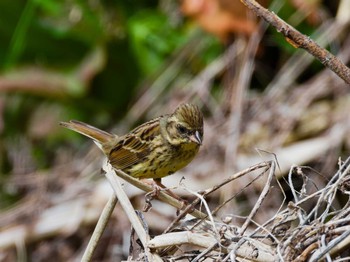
(298, 40)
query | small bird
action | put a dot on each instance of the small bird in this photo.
(155, 149)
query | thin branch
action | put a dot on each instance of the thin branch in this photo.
(299, 40)
(100, 228)
(129, 211)
(164, 197)
(261, 198)
(125, 203)
(216, 187)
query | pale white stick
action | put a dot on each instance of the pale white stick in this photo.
(125, 203)
(100, 228)
(128, 209)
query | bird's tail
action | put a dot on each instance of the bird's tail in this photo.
(101, 138)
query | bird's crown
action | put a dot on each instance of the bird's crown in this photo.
(190, 115)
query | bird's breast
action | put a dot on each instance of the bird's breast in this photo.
(164, 161)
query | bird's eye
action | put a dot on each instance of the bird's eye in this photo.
(181, 129)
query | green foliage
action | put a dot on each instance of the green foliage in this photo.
(153, 39)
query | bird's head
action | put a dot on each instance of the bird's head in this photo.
(184, 126)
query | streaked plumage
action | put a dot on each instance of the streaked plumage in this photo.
(155, 149)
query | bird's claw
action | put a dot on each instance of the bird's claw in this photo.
(150, 196)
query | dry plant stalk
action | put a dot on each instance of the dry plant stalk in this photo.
(324, 231)
(291, 234)
(100, 228)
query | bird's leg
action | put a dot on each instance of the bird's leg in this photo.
(157, 187)
(158, 182)
(185, 203)
(150, 195)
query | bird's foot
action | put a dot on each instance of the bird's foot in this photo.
(157, 187)
(151, 195)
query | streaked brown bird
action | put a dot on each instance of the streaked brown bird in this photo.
(155, 149)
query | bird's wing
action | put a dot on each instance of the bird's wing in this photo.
(135, 146)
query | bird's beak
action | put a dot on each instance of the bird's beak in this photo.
(196, 138)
